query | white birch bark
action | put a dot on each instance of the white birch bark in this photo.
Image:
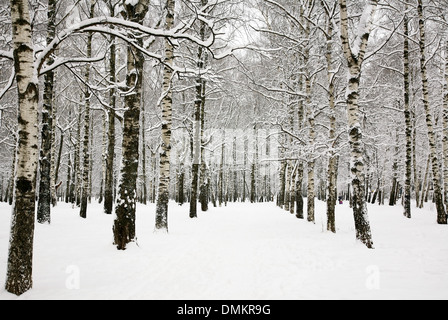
(167, 113)
(86, 139)
(436, 174)
(445, 127)
(355, 58)
(20, 255)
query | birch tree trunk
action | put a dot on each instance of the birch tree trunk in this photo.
(203, 179)
(44, 202)
(253, 173)
(408, 119)
(282, 176)
(103, 157)
(425, 184)
(311, 166)
(20, 255)
(167, 112)
(246, 154)
(417, 173)
(221, 170)
(53, 163)
(143, 129)
(300, 168)
(288, 173)
(333, 158)
(197, 161)
(77, 161)
(299, 191)
(436, 175)
(110, 155)
(355, 60)
(197, 125)
(393, 189)
(124, 224)
(293, 190)
(311, 195)
(86, 140)
(235, 172)
(445, 127)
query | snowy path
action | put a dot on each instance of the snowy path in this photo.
(240, 252)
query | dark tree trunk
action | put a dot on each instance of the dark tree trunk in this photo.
(124, 224)
(282, 191)
(299, 191)
(408, 118)
(180, 183)
(44, 203)
(110, 156)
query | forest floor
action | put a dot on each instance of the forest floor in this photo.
(241, 251)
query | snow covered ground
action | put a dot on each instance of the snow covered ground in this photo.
(242, 251)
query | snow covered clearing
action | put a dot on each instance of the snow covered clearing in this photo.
(243, 251)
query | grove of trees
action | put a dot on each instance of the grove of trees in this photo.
(214, 101)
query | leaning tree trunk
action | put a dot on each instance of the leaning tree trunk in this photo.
(124, 224)
(355, 61)
(408, 118)
(167, 112)
(44, 202)
(436, 175)
(20, 256)
(425, 184)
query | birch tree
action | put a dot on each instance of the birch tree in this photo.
(87, 114)
(46, 155)
(408, 117)
(333, 157)
(110, 155)
(20, 256)
(354, 55)
(445, 125)
(199, 105)
(167, 111)
(436, 174)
